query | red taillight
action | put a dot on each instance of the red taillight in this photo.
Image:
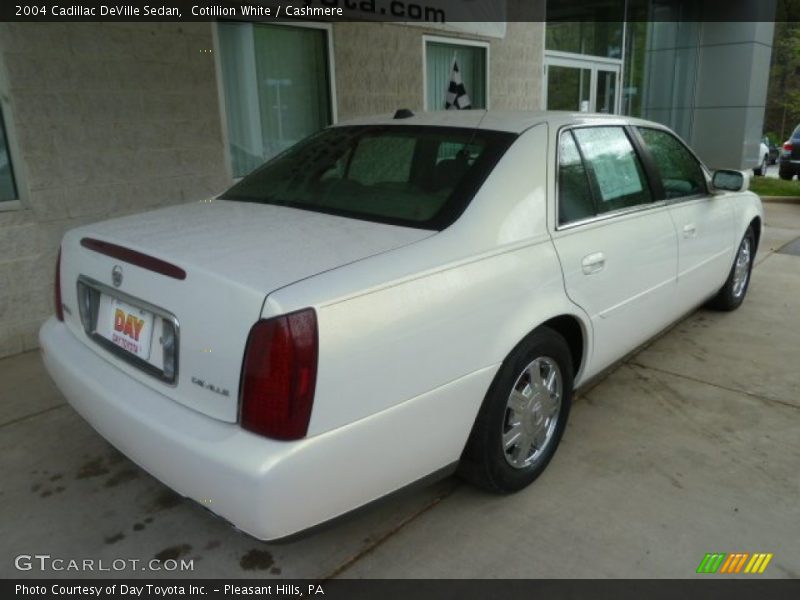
(59, 308)
(787, 146)
(279, 376)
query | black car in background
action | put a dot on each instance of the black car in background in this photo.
(789, 161)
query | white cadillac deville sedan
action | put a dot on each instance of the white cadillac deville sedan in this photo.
(389, 299)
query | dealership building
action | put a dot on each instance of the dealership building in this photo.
(107, 119)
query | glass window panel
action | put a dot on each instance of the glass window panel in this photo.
(276, 86)
(396, 174)
(613, 162)
(439, 67)
(568, 88)
(681, 173)
(8, 187)
(661, 66)
(292, 71)
(242, 112)
(382, 159)
(594, 38)
(606, 92)
(574, 194)
(633, 85)
(449, 150)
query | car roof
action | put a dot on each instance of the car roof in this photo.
(498, 120)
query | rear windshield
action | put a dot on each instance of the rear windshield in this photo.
(420, 177)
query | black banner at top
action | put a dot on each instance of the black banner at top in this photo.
(416, 11)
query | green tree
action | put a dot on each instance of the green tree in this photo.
(783, 95)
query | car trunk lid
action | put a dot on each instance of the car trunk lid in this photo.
(196, 276)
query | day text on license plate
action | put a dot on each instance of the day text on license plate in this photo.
(130, 328)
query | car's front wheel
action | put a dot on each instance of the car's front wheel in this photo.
(523, 416)
(731, 295)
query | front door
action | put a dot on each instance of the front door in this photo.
(582, 85)
(703, 221)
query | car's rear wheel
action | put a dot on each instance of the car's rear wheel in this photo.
(785, 174)
(731, 295)
(523, 416)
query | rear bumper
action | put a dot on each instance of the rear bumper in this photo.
(268, 489)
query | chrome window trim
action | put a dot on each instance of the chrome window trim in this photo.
(613, 214)
(90, 328)
(606, 215)
(682, 199)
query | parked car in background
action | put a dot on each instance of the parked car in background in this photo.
(763, 157)
(390, 298)
(774, 151)
(789, 161)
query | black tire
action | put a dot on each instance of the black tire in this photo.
(730, 295)
(762, 169)
(784, 174)
(486, 462)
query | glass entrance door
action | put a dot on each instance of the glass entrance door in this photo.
(582, 85)
(605, 100)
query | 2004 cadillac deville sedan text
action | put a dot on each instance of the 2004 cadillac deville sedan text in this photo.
(389, 298)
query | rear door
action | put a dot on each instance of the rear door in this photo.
(704, 222)
(615, 239)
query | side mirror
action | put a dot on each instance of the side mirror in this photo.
(730, 181)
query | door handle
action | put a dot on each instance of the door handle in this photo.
(690, 230)
(593, 263)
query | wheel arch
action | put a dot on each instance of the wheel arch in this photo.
(574, 330)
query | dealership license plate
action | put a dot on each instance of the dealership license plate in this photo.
(130, 328)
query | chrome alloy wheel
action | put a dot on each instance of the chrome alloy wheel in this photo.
(741, 270)
(532, 412)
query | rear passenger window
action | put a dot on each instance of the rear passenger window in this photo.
(574, 195)
(611, 160)
(681, 173)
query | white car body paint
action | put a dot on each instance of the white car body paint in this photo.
(385, 413)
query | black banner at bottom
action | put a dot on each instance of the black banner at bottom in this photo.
(407, 589)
